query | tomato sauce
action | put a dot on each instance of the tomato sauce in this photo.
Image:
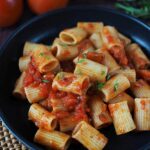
(143, 104)
(66, 80)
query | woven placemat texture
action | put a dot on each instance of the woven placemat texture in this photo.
(8, 141)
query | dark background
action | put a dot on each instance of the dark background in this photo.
(27, 14)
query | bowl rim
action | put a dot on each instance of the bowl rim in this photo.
(12, 130)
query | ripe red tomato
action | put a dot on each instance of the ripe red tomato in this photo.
(10, 12)
(42, 6)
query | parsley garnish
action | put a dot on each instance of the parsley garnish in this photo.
(103, 72)
(81, 60)
(62, 44)
(100, 85)
(116, 85)
(45, 81)
(41, 54)
(108, 77)
(61, 76)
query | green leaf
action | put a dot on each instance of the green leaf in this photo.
(108, 77)
(81, 60)
(84, 55)
(45, 81)
(116, 85)
(103, 72)
(41, 54)
(100, 85)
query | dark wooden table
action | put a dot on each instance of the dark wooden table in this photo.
(27, 15)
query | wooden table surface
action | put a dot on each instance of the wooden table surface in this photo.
(27, 15)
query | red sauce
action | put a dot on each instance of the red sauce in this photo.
(44, 88)
(98, 57)
(66, 53)
(103, 118)
(139, 83)
(73, 104)
(85, 85)
(32, 75)
(145, 74)
(90, 26)
(84, 45)
(66, 80)
(143, 104)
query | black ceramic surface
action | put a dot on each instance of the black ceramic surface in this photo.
(44, 29)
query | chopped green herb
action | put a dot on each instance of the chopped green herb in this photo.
(81, 60)
(103, 72)
(108, 77)
(78, 71)
(84, 55)
(47, 57)
(62, 44)
(61, 76)
(41, 54)
(100, 85)
(45, 81)
(116, 85)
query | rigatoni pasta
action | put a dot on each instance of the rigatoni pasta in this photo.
(52, 139)
(122, 118)
(83, 81)
(115, 86)
(142, 114)
(89, 136)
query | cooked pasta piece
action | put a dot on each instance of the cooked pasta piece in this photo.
(24, 62)
(123, 97)
(99, 112)
(72, 36)
(63, 51)
(68, 82)
(142, 114)
(19, 87)
(87, 135)
(115, 86)
(52, 139)
(124, 39)
(115, 46)
(29, 47)
(85, 45)
(129, 73)
(96, 40)
(34, 93)
(91, 27)
(45, 61)
(96, 71)
(69, 123)
(140, 89)
(144, 74)
(42, 118)
(137, 56)
(109, 61)
(122, 118)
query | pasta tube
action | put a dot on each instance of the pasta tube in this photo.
(30, 47)
(137, 56)
(69, 82)
(91, 27)
(87, 135)
(109, 61)
(19, 87)
(124, 39)
(24, 62)
(115, 86)
(52, 139)
(42, 118)
(45, 61)
(64, 52)
(140, 89)
(96, 40)
(122, 118)
(142, 114)
(94, 70)
(72, 36)
(99, 113)
(123, 97)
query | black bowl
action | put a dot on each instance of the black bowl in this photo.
(44, 29)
